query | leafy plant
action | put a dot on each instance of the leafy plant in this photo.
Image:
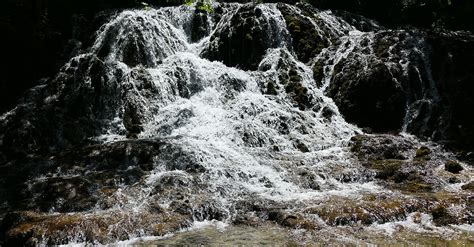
(146, 6)
(202, 5)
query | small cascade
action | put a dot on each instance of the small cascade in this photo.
(157, 129)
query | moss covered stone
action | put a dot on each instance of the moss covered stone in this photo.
(271, 88)
(318, 73)
(468, 186)
(306, 41)
(453, 167)
(423, 153)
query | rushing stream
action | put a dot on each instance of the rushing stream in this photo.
(158, 128)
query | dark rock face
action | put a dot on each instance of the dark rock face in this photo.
(244, 40)
(106, 165)
(306, 41)
(39, 36)
(289, 81)
(73, 112)
(452, 68)
(368, 84)
(200, 27)
(453, 167)
(372, 99)
(418, 79)
(443, 13)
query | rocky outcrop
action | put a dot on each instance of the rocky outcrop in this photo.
(452, 70)
(243, 41)
(405, 165)
(367, 84)
(142, 135)
(397, 78)
(370, 98)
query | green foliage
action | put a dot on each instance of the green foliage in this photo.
(145, 5)
(201, 5)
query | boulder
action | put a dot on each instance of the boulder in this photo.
(370, 98)
(244, 40)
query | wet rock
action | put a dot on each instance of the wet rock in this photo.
(248, 220)
(293, 87)
(318, 73)
(386, 168)
(423, 153)
(417, 186)
(302, 147)
(468, 186)
(170, 224)
(386, 155)
(290, 220)
(453, 167)
(366, 212)
(306, 40)
(362, 23)
(436, 95)
(244, 40)
(208, 210)
(453, 180)
(71, 110)
(177, 159)
(64, 194)
(372, 98)
(289, 78)
(441, 217)
(380, 147)
(271, 88)
(200, 27)
(132, 120)
(327, 113)
(97, 171)
(32, 228)
(451, 71)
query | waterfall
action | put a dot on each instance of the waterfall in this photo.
(154, 132)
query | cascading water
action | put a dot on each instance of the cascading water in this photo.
(175, 136)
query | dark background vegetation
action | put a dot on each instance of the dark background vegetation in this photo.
(38, 36)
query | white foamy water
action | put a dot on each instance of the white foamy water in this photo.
(248, 146)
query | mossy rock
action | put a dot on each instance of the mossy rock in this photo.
(414, 187)
(291, 220)
(318, 73)
(356, 143)
(468, 186)
(31, 228)
(344, 211)
(370, 97)
(385, 168)
(441, 217)
(423, 153)
(453, 167)
(243, 42)
(306, 41)
(271, 88)
(298, 93)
